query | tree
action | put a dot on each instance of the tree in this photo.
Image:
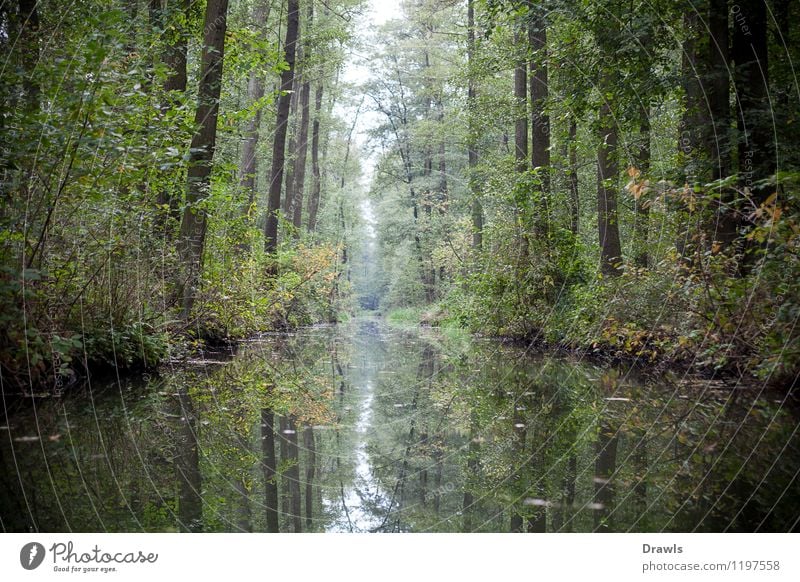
(279, 140)
(255, 93)
(193, 224)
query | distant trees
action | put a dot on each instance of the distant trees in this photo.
(656, 124)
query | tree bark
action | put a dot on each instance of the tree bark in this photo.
(607, 175)
(472, 136)
(193, 225)
(574, 194)
(720, 109)
(642, 213)
(521, 104)
(294, 121)
(540, 121)
(302, 157)
(316, 190)
(756, 144)
(255, 92)
(279, 142)
(694, 121)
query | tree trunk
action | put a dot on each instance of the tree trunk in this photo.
(279, 142)
(316, 190)
(540, 121)
(472, 136)
(302, 146)
(294, 121)
(171, 16)
(720, 108)
(694, 121)
(756, 144)
(302, 156)
(521, 104)
(575, 201)
(607, 176)
(193, 225)
(255, 92)
(641, 226)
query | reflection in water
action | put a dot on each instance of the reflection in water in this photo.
(187, 466)
(365, 428)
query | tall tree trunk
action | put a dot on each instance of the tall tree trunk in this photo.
(694, 121)
(540, 121)
(572, 177)
(693, 126)
(27, 43)
(193, 225)
(607, 176)
(279, 142)
(521, 134)
(294, 122)
(316, 190)
(302, 145)
(255, 92)
(472, 135)
(302, 156)
(521, 105)
(720, 108)
(757, 143)
(172, 16)
(269, 467)
(641, 210)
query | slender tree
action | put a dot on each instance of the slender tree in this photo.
(255, 93)
(540, 120)
(316, 189)
(191, 241)
(472, 131)
(279, 140)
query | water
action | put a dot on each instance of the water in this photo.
(386, 430)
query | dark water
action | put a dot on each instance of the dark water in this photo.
(379, 429)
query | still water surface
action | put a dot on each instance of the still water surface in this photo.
(378, 429)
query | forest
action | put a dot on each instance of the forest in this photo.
(617, 182)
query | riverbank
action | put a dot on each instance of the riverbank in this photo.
(654, 353)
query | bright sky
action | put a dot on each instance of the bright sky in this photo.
(379, 12)
(357, 72)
